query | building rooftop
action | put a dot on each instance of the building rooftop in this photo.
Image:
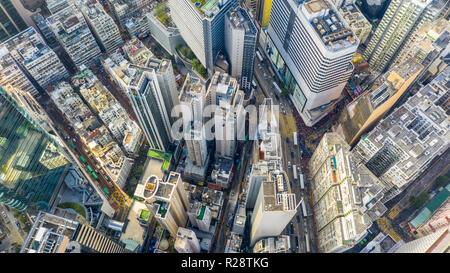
(328, 24)
(240, 19)
(277, 193)
(193, 88)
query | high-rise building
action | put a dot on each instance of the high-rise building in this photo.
(402, 145)
(36, 58)
(201, 25)
(168, 201)
(61, 232)
(365, 111)
(229, 118)
(265, 8)
(102, 25)
(186, 241)
(25, 149)
(311, 46)
(274, 208)
(44, 29)
(74, 35)
(152, 91)
(400, 21)
(11, 22)
(240, 45)
(345, 195)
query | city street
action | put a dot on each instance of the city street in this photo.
(264, 77)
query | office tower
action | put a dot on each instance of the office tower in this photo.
(275, 207)
(199, 216)
(345, 195)
(11, 22)
(11, 76)
(201, 25)
(102, 25)
(165, 32)
(437, 242)
(151, 89)
(311, 47)
(167, 200)
(74, 35)
(61, 232)
(356, 21)
(139, 55)
(280, 244)
(365, 111)
(434, 216)
(186, 241)
(36, 58)
(24, 148)
(240, 45)
(402, 145)
(400, 21)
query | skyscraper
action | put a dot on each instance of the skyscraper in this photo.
(400, 21)
(240, 45)
(74, 35)
(311, 46)
(11, 22)
(25, 179)
(152, 91)
(201, 25)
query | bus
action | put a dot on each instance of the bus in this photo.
(307, 243)
(275, 85)
(259, 56)
(304, 208)
(239, 166)
(71, 144)
(106, 191)
(94, 175)
(89, 168)
(302, 183)
(295, 139)
(82, 158)
(294, 171)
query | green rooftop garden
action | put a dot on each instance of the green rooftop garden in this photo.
(161, 12)
(163, 156)
(145, 215)
(75, 206)
(202, 2)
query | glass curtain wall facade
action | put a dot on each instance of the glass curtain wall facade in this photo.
(11, 22)
(26, 177)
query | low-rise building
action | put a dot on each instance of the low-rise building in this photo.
(186, 241)
(280, 244)
(222, 173)
(233, 244)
